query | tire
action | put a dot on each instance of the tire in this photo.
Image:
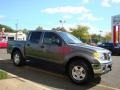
(18, 58)
(80, 72)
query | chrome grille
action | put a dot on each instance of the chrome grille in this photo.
(107, 56)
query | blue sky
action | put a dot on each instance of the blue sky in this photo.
(30, 14)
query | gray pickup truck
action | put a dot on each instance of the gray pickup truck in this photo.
(81, 61)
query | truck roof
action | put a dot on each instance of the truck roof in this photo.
(46, 31)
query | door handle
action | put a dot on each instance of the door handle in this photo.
(42, 46)
(28, 44)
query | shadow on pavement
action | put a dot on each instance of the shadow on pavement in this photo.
(44, 78)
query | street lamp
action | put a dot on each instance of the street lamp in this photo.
(62, 22)
(100, 34)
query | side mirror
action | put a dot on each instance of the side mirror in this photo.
(57, 42)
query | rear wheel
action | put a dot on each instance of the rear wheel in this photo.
(79, 72)
(18, 58)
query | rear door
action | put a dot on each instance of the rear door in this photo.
(32, 47)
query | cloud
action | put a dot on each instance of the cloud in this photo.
(67, 17)
(66, 10)
(105, 3)
(90, 17)
(86, 1)
(69, 12)
(116, 1)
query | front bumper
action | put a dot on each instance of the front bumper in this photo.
(102, 68)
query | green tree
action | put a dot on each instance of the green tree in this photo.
(7, 28)
(81, 32)
(59, 29)
(39, 28)
(25, 31)
(95, 38)
(108, 36)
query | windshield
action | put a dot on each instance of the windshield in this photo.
(69, 38)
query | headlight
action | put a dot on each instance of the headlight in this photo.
(98, 56)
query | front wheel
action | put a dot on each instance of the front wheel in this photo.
(79, 72)
(18, 58)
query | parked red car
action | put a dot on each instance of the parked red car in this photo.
(3, 44)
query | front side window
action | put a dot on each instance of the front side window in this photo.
(35, 37)
(51, 38)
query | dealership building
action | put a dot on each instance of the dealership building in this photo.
(13, 36)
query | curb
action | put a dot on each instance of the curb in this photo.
(43, 87)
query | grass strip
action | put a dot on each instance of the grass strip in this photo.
(3, 74)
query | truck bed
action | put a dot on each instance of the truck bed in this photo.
(13, 44)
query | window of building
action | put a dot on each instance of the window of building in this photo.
(10, 38)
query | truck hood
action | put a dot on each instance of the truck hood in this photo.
(88, 48)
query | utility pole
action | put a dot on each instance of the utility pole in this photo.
(100, 34)
(16, 25)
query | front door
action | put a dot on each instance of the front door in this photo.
(52, 47)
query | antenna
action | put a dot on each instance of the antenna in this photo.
(16, 25)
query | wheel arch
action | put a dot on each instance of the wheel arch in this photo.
(15, 49)
(81, 58)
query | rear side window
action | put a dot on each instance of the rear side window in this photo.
(35, 37)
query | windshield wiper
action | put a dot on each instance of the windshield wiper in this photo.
(75, 43)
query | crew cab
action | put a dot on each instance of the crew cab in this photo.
(81, 61)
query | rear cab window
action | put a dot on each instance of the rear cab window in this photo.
(35, 37)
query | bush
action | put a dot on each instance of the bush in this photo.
(3, 74)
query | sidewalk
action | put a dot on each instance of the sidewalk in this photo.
(17, 83)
